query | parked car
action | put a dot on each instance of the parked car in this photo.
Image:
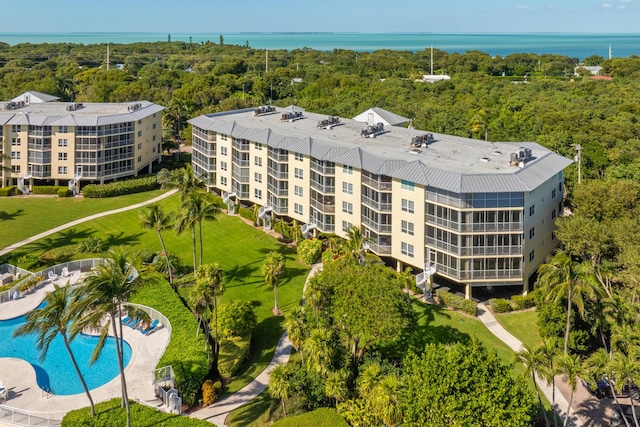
(623, 411)
(602, 389)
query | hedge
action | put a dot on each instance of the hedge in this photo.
(47, 189)
(233, 353)
(457, 302)
(120, 188)
(110, 414)
(500, 305)
(64, 192)
(246, 213)
(522, 302)
(309, 250)
(8, 191)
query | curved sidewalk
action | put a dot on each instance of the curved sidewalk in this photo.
(85, 219)
(516, 345)
(217, 412)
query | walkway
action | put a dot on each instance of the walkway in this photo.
(85, 219)
(516, 345)
(217, 412)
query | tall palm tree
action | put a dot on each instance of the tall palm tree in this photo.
(356, 244)
(52, 320)
(531, 359)
(106, 290)
(548, 369)
(571, 367)
(480, 123)
(624, 369)
(562, 278)
(385, 400)
(598, 365)
(280, 385)
(272, 269)
(205, 300)
(335, 386)
(198, 207)
(296, 326)
(185, 181)
(186, 220)
(320, 353)
(154, 218)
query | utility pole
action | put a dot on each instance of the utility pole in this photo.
(266, 62)
(579, 160)
(108, 57)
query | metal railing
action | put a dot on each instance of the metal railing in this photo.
(21, 417)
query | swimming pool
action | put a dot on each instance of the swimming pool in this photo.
(56, 372)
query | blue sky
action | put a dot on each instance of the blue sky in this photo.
(374, 16)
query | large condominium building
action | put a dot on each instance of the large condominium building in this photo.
(482, 212)
(48, 142)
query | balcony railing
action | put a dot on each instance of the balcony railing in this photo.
(379, 228)
(326, 207)
(378, 206)
(277, 174)
(279, 157)
(492, 227)
(204, 150)
(278, 191)
(206, 165)
(324, 170)
(241, 175)
(241, 145)
(491, 250)
(447, 247)
(325, 189)
(376, 184)
(243, 163)
(380, 249)
(491, 275)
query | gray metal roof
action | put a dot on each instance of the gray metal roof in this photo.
(448, 162)
(387, 117)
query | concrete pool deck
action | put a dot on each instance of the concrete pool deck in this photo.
(19, 376)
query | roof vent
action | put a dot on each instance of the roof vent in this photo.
(372, 131)
(76, 106)
(265, 109)
(329, 122)
(134, 107)
(497, 153)
(291, 117)
(485, 159)
(422, 140)
(521, 157)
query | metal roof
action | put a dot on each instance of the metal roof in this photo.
(379, 114)
(448, 162)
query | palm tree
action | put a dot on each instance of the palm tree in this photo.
(335, 386)
(296, 326)
(563, 278)
(532, 361)
(369, 378)
(571, 367)
(624, 369)
(598, 366)
(106, 290)
(480, 123)
(272, 269)
(320, 353)
(198, 207)
(548, 370)
(280, 385)
(185, 181)
(155, 218)
(52, 320)
(186, 220)
(386, 402)
(357, 244)
(205, 300)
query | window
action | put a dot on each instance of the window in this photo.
(223, 180)
(223, 137)
(16, 128)
(223, 151)
(346, 225)
(407, 249)
(347, 208)
(154, 148)
(154, 115)
(532, 210)
(154, 125)
(257, 193)
(298, 191)
(347, 188)
(62, 170)
(297, 208)
(408, 185)
(223, 166)
(257, 177)
(407, 228)
(299, 157)
(62, 156)
(553, 193)
(139, 133)
(63, 129)
(257, 161)
(408, 206)
(553, 214)
(298, 173)
(139, 122)
(347, 170)
(560, 187)
(15, 155)
(15, 168)
(532, 233)
(257, 146)
(532, 255)
(140, 146)
(139, 159)
(154, 137)
(15, 142)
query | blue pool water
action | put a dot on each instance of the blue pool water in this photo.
(56, 371)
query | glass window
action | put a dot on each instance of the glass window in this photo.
(347, 170)
(62, 156)
(407, 249)
(346, 225)
(553, 214)
(347, 208)
(139, 133)
(223, 151)
(223, 180)
(408, 206)
(407, 227)
(299, 157)
(532, 210)
(16, 128)
(532, 255)
(15, 155)
(257, 177)
(257, 146)
(297, 208)
(63, 129)
(553, 193)
(257, 193)
(532, 233)
(257, 161)
(298, 191)
(15, 168)
(62, 170)
(15, 142)
(223, 166)
(408, 185)
(298, 173)
(347, 188)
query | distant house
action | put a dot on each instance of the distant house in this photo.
(593, 69)
(379, 115)
(33, 97)
(432, 78)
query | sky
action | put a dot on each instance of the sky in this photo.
(372, 16)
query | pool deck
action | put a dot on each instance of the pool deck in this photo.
(20, 379)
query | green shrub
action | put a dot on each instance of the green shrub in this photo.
(30, 284)
(236, 318)
(8, 191)
(64, 192)
(500, 305)
(247, 214)
(457, 302)
(91, 245)
(47, 189)
(233, 352)
(208, 393)
(522, 302)
(327, 257)
(120, 188)
(309, 250)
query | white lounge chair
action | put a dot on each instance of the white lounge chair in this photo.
(65, 272)
(3, 392)
(52, 276)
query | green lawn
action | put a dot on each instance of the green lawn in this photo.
(22, 217)
(238, 247)
(522, 325)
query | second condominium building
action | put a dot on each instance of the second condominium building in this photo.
(482, 212)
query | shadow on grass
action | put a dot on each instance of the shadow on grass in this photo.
(121, 239)
(63, 238)
(257, 410)
(6, 216)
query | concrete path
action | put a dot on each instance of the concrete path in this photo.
(217, 413)
(85, 219)
(516, 345)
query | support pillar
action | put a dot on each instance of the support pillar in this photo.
(56, 182)
(467, 291)
(525, 287)
(399, 266)
(150, 167)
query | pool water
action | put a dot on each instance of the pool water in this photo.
(56, 372)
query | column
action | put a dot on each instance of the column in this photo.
(467, 291)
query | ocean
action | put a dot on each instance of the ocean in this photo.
(572, 45)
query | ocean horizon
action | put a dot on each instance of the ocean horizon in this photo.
(574, 45)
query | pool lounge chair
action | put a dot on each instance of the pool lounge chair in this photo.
(151, 327)
(52, 276)
(133, 322)
(65, 272)
(3, 392)
(125, 320)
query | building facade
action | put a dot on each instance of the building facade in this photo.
(483, 213)
(61, 142)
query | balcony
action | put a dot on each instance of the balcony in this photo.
(326, 207)
(204, 150)
(87, 146)
(243, 163)
(241, 144)
(280, 156)
(205, 135)
(377, 206)
(378, 228)
(491, 250)
(323, 169)
(444, 246)
(492, 227)
(379, 249)
(376, 184)
(241, 175)
(278, 174)
(491, 275)
(325, 189)
(204, 164)
(278, 191)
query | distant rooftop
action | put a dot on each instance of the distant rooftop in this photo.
(381, 115)
(455, 163)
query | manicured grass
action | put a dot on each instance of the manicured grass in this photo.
(110, 413)
(253, 414)
(522, 325)
(22, 217)
(238, 247)
(323, 417)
